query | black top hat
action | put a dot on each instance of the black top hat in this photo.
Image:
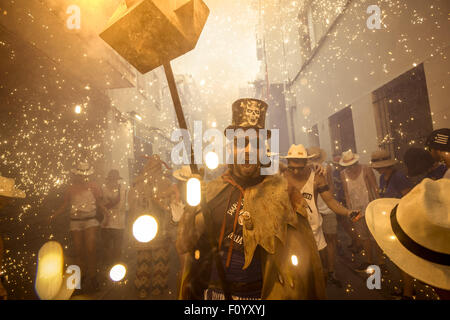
(249, 113)
(439, 140)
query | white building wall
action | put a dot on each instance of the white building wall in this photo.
(437, 73)
(365, 128)
(145, 100)
(353, 61)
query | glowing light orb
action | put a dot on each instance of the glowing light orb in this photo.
(370, 270)
(49, 275)
(77, 109)
(212, 160)
(294, 260)
(213, 124)
(145, 228)
(194, 192)
(118, 272)
(138, 117)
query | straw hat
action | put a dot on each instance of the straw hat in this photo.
(83, 169)
(319, 154)
(415, 231)
(8, 188)
(381, 159)
(348, 158)
(183, 174)
(298, 152)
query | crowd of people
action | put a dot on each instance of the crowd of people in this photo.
(259, 254)
(267, 237)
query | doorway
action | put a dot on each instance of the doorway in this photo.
(342, 131)
(402, 112)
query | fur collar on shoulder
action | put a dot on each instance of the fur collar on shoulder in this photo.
(270, 211)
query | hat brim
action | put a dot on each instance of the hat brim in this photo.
(347, 164)
(269, 132)
(297, 157)
(177, 175)
(83, 173)
(321, 156)
(114, 178)
(16, 193)
(383, 164)
(379, 223)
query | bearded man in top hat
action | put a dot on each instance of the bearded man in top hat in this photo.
(265, 245)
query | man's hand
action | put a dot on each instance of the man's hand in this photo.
(319, 169)
(355, 215)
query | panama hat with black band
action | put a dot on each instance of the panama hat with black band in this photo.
(319, 154)
(348, 158)
(414, 231)
(381, 159)
(298, 152)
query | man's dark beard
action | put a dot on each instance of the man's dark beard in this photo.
(247, 181)
(300, 173)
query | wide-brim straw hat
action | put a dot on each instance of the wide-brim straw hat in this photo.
(381, 159)
(298, 152)
(414, 231)
(183, 174)
(8, 188)
(83, 169)
(348, 158)
(319, 154)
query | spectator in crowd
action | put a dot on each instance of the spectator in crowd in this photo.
(393, 184)
(421, 164)
(438, 143)
(414, 232)
(113, 224)
(360, 188)
(84, 200)
(339, 195)
(329, 222)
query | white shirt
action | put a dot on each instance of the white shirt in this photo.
(115, 219)
(314, 218)
(357, 192)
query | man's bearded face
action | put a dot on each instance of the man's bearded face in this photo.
(297, 167)
(246, 170)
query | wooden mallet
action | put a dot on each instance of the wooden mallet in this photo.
(151, 33)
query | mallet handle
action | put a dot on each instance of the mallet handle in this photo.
(194, 169)
(179, 110)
